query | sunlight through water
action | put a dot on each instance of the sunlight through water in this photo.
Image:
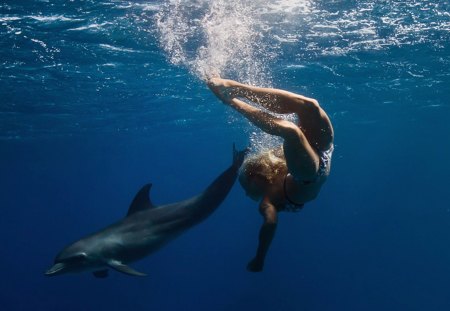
(229, 39)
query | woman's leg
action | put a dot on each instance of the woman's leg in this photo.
(301, 159)
(274, 100)
(314, 120)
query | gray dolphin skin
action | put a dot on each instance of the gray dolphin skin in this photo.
(144, 230)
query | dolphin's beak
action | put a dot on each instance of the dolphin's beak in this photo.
(56, 269)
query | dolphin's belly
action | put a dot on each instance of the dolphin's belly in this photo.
(136, 245)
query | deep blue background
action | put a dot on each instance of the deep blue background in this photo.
(79, 138)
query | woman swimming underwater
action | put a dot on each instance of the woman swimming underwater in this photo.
(284, 178)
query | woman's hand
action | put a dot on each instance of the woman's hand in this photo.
(255, 265)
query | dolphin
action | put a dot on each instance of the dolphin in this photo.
(144, 230)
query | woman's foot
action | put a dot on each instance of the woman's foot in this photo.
(221, 88)
(218, 81)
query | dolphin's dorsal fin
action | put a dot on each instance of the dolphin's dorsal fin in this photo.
(118, 266)
(141, 201)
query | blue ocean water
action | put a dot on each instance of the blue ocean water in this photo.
(101, 97)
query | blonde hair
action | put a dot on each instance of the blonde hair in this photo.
(266, 165)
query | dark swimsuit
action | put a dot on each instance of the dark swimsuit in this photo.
(325, 159)
(291, 206)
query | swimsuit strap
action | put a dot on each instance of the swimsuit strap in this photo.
(295, 204)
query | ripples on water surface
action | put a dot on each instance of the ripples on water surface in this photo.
(75, 66)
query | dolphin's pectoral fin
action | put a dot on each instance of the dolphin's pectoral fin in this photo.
(118, 266)
(141, 201)
(101, 274)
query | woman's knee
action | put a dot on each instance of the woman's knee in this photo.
(290, 130)
(292, 133)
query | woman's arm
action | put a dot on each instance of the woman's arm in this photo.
(266, 234)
